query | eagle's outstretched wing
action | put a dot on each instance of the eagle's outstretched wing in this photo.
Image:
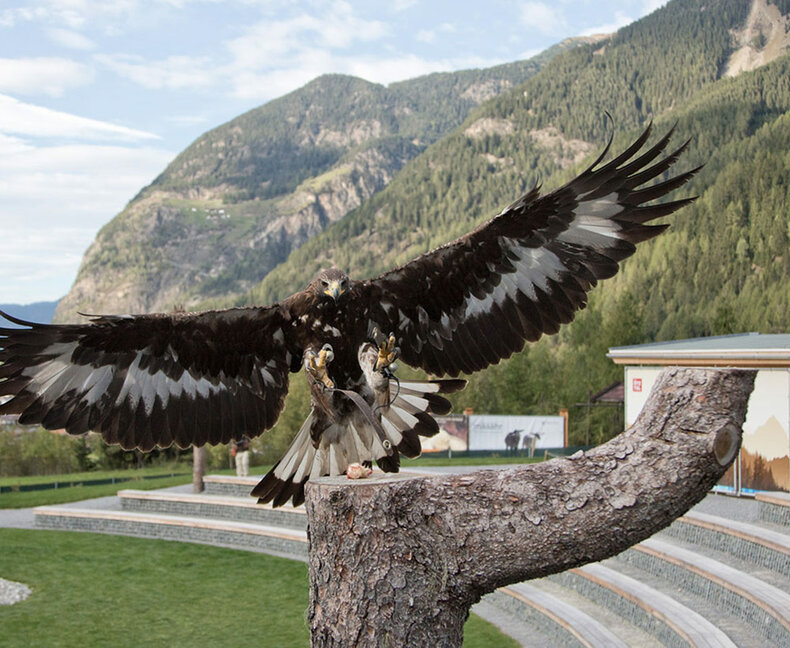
(475, 301)
(150, 380)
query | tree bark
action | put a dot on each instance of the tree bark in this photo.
(198, 468)
(398, 560)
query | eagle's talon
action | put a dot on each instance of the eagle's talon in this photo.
(388, 353)
(316, 365)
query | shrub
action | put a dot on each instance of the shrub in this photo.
(39, 452)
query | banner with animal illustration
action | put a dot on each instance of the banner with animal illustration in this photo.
(515, 434)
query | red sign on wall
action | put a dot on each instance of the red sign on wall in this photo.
(636, 384)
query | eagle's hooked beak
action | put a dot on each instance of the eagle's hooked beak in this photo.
(334, 289)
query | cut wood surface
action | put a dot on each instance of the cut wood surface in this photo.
(398, 561)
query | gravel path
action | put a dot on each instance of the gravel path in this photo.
(11, 592)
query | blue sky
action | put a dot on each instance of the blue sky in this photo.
(97, 96)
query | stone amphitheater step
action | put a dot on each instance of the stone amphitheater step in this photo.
(224, 507)
(754, 544)
(231, 485)
(563, 620)
(242, 486)
(751, 602)
(774, 507)
(654, 611)
(289, 543)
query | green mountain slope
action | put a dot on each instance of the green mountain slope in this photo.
(238, 200)
(524, 137)
(722, 267)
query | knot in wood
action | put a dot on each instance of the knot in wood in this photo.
(726, 442)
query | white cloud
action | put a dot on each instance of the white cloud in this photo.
(174, 72)
(620, 20)
(276, 42)
(27, 119)
(426, 36)
(268, 59)
(40, 265)
(12, 145)
(10, 17)
(71, 39)
(46, 75)
(272, 57)
(187, 120)
(543, 17)
(52, 202)
(402, 5)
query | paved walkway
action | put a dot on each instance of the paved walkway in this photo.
(24, 519)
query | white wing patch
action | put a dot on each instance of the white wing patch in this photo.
(141, 385)
(604, 207)
(534, 267)
(591, 231)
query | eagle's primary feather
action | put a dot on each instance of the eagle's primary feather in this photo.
(153, 380)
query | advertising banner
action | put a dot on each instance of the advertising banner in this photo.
(515, 433)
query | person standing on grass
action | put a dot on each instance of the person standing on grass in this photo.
(242, 454)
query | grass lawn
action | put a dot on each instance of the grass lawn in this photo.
(75, 493)
(97, 590)
(97, 474)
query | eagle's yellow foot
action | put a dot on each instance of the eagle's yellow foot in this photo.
(316, 365)
(388, 353)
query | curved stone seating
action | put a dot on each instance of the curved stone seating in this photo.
(749, 542)
(571, 626)
(774, 507)
(764, 607)
(290, 543)
(213, 506)
(230, 485)
(671, 622)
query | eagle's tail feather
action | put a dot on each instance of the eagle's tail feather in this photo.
(288, 476)
(404, 420)
(409, 413)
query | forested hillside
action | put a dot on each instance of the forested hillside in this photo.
(722, 266)
(237, 201)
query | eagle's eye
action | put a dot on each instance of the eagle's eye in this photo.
(325, 284)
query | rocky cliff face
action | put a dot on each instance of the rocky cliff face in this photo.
(173, 248)
(764, 37)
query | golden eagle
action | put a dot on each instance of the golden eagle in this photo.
(143, 381)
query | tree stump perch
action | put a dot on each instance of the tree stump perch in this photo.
(398, 560)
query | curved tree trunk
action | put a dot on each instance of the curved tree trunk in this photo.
(398, 560)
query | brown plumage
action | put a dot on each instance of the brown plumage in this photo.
(153, 380)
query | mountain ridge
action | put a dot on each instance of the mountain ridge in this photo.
(243, 195)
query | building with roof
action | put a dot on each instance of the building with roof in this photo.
(764, 461)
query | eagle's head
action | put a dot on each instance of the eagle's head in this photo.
(332, 283)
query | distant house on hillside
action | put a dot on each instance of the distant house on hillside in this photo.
(764, 460)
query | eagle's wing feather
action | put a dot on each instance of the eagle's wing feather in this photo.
(150, 380)
(475, 301)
